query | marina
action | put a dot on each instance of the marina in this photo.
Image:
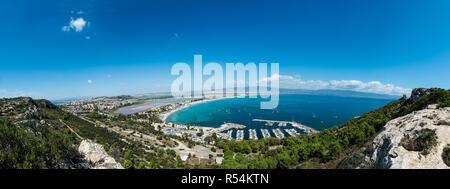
(306, 129)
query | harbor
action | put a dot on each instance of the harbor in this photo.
(306, 129)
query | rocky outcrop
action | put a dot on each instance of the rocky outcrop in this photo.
(388, 151)
(419, 92)
(46, 104)
(97, 156)
(25, 123)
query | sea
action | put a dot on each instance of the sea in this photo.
(317, 111)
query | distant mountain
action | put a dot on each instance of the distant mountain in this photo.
(64, 100)
(346, 93)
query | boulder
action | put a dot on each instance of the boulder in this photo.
(419, 92)
(388, 152)
(96, 155)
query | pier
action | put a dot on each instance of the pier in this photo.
(229, 135)
(227, 126)
(278, 133)
(291, 132)
(240, 135)
(265, 133)
(252, 133)
(306, 129)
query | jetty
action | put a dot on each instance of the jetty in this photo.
(229, 135)
(278, 133)
(240, 135)
(227, 126)
(306, 129)
(265, 133)
(291, 132)
(252, 133)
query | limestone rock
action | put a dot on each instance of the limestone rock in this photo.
(97, 156)
(419, 92)
(388, 153)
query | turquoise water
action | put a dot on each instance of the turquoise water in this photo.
(316, 111)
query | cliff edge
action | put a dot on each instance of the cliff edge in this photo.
(419, 140)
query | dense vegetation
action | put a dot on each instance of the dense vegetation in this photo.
(25, 144)
(331, 148)
(45, 139)
(134, 154)
(21, 149)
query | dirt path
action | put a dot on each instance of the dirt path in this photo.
(76, 134)
(181, 149)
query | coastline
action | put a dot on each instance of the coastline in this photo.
(225, 126)
(185, 105)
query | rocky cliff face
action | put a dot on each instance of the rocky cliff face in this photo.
(389, 151)
(419, 92)
(97, 156)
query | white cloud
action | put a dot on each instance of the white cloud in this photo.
(77, 25)
(291, 82)
(89, 81)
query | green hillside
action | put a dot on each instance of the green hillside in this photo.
(38, 134)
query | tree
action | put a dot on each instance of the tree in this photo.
(200, 133)
(208, 139)
(65, 116)
(214, 136)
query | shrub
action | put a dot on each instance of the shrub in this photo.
(443, 122)
(446, 155)
(422, 142)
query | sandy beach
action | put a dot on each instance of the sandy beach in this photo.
(184, 105)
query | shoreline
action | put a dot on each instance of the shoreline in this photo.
(185, 105)
(209, 130)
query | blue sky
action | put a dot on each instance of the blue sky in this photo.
(51, 49)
